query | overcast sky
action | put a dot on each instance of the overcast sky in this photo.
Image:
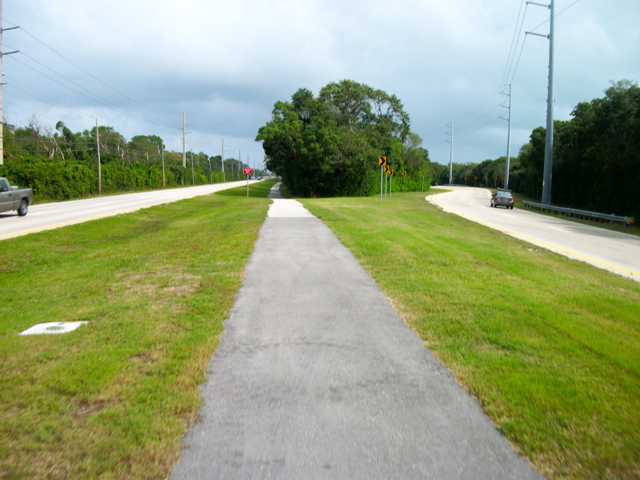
(138, 65)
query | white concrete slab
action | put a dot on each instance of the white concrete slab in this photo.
(51, 328)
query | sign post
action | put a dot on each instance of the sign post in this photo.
(382, 161)
(247, 171)
(386, 181)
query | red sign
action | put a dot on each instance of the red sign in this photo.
(247, 171)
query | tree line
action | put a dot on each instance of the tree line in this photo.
(596, 157)
(329, 145)
(59, 164)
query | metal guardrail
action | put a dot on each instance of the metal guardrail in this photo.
(582, 214)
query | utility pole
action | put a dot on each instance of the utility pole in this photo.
(548, 142)
(99, 166)
(164, 183)
(451, 153)
(222, 158)
(506, 173)
(193, 179)
(2, 83)
(184, 140)
(385, 186)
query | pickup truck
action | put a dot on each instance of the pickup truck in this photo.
(14, 198)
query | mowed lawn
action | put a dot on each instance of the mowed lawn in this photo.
(112, 399)
(550, 347)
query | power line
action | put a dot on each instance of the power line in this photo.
(478, 118)
(507, 67)
(481, 127)
(39, 96)
(510, 64)
(93, 76)
(518, 62)
(101, 100)
(476, 109)
(555, 15)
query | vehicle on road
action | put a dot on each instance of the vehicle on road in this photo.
(14, 198)
(502, 198)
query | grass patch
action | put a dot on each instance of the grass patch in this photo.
(256, 190)
(549, 346)
(113, 398)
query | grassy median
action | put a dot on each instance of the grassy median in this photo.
(112, 399)
(549, 346)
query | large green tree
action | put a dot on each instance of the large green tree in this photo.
(596, 155)
(329, 145)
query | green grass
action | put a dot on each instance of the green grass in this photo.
(112, 399)
(258, 190)
(549, 346)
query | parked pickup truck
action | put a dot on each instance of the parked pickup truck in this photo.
(14, 198)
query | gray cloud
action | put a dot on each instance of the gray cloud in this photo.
(226, 63)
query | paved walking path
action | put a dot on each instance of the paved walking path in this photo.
(317, 377)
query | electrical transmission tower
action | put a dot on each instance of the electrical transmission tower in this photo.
(548, 143)
(508, 119)
(450, 125)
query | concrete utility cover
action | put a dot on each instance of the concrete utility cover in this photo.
(55, 327)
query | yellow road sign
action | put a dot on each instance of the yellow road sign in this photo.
(382, 161)
(386, 168)
(404, 174)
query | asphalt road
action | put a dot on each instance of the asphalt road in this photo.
(617, 252)
(53, 215)
(317, 377)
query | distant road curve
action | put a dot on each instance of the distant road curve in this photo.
(617, 252)
(53, 215)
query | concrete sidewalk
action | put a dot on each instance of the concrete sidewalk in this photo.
(316, 376)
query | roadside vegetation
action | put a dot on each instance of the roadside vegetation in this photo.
(113, 398)
(59, 164)
(596, 158)
(329, 145)
(549, 346)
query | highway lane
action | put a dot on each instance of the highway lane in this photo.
(613, 251)
(54, 215)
